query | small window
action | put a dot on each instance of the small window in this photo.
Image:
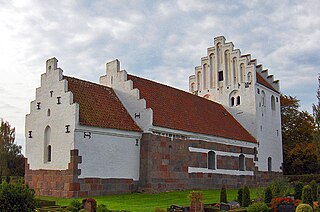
(220, 75)
(269, 164)
(211, 160)
(232, 101)
(238, 100)
(49, 153)
(48, 112)
(277, 99)
(241, 162)
(258, 90)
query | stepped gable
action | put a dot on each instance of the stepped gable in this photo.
(99, 106)
(264, 82)
(179, 110)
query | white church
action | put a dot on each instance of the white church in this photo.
(127, 134)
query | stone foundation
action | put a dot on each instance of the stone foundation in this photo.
(164, 166)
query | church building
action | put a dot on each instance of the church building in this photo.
(127, 134)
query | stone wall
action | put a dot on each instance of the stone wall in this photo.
(164, 166)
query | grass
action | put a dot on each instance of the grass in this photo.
(148, 202)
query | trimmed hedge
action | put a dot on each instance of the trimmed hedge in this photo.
(304, 178)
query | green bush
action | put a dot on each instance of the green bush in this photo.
(101, 208)
(239, 197)
(258, 207)
(314, 190)
(304, 178)
(246, 197)
(223, 194)
(74, 206)
(268, 195)
(298, 190)
(306, 195)
(304, 208)
(280, 187)
(16, 197)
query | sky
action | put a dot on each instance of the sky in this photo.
(158, 40)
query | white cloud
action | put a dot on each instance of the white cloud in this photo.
(160, 40)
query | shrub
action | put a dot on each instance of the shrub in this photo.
(240, 194)
(304, 208)
(314, 190)
(223, 194)
(280, 187)
(75, 206)
(196, 196)
(267, 195)
(246, 197)
(258, 207)
(101, 208)
(16, 197)
(304, 178)
(298, 190)
(306, 195)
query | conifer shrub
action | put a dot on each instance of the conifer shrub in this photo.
(268, 195)
(223, 194)
(74, 206)
(306, 195)
(304, 208)
(298, 190)
(314, 190)
(16, 197)
(239, 197)
(280, 187)
(246, 197)
(258, 207)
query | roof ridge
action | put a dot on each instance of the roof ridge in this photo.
(86, 81)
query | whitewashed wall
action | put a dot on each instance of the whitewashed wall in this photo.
(108, 153)
(60, 115)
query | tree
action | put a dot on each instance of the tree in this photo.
(298, 128)
(11, 159)
(316, 116)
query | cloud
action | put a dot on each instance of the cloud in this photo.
(160, 40)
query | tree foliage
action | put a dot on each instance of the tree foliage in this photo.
(11, 159)
(298, 127)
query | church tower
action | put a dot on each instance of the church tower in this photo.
(246, 90)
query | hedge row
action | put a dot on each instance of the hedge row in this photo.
(304, 178)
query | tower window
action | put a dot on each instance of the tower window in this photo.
(273, 103)
(48, 112)
(232, 101)
(258, 90)
(49, 153)
(220, 75)
(269, 164)
(238, 100)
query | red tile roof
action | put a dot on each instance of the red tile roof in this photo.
(99, 106)
(264, 82)
(177, 109)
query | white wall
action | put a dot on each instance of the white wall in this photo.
(108, 153)
(60, 115)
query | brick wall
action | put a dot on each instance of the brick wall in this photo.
(164, 165)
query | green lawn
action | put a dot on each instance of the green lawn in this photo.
(148, 202)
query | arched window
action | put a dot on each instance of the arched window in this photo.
(49, 153)
(273, 103)
(211, 160)
(235, 70)
(238, 100)
(241, 72)
(241, 162)
(263, 98)
(232, 102)
(199, 80)
(48, 112)
(47, 146)
(269, 164)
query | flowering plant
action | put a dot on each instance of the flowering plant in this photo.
(280, 200)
